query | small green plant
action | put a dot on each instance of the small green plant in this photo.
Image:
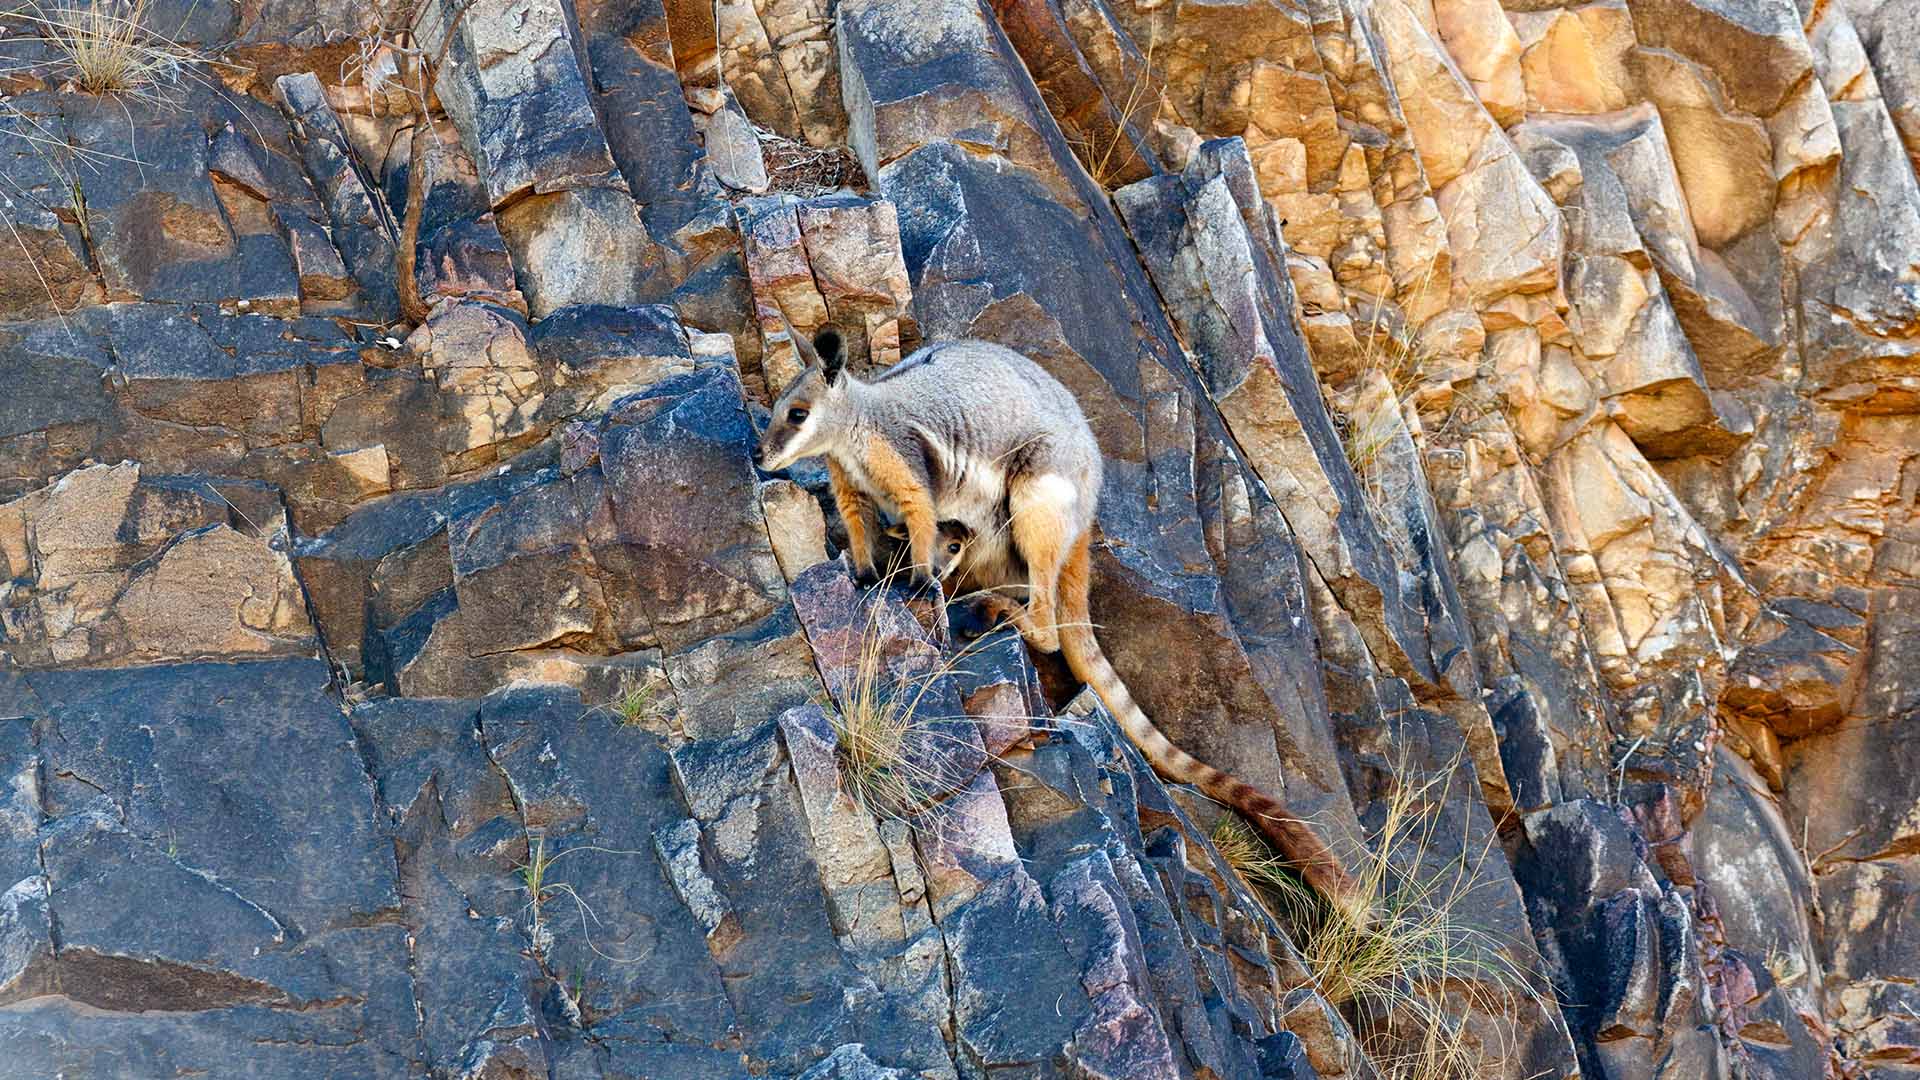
(638, 704)
(533, 877)
(1403, 959)
(533, 872)
(539, 890)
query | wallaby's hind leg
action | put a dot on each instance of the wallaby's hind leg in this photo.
(1040, 507)
(1074, 608)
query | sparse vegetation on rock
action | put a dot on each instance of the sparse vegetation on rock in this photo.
(1406, 958)
(1510, 416)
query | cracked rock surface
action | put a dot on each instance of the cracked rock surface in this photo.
(1516, 404)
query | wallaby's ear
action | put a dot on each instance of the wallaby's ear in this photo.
(800, 345)
(827, 346)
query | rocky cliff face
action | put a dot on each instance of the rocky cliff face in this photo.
(1516, 406)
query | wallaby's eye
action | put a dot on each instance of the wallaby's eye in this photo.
(796, 416)
(953, 548)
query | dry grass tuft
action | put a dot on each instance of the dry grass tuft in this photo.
(1244, 849)
(900, 757)
(1407, 962)
(883, 736)
(107, 47)
(1390, 356)
(1377, 417)
(1107, 163)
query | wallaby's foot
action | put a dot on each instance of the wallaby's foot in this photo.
(1046, 641)
(967, 622)
(1041, 637)
(982, 616)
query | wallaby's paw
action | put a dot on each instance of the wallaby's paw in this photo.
(1046, 641)
(922, 581)
(866, 578)
(980, 615)
(973, 619)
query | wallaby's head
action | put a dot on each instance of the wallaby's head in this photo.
(813, 409)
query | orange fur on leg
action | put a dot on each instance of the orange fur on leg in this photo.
(856, 511)
(1076, 582)
(1041, 538)
(902, 486)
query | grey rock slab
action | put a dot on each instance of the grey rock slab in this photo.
(673, 454)
(221, 887)
(458, 838)
(593, 795)
(178, 748)
(515, 86)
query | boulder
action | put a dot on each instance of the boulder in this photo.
(108, 566)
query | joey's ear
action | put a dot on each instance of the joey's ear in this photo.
(959, 529)
(827, 346)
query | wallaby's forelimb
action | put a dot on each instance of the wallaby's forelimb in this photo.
(856, 511)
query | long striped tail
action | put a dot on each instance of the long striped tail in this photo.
(1301, 846)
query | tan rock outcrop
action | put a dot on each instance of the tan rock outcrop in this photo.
(1510, 404)
(108, 568)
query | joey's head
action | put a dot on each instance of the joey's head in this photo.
(949, 546)
(813, 410)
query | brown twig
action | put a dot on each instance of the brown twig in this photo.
(1814, 864)
(412, 308)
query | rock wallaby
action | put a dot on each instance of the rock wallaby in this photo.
(978, 435)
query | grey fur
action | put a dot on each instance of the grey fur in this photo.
(973, 418)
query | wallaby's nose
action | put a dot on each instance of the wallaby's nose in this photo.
(759, 457)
